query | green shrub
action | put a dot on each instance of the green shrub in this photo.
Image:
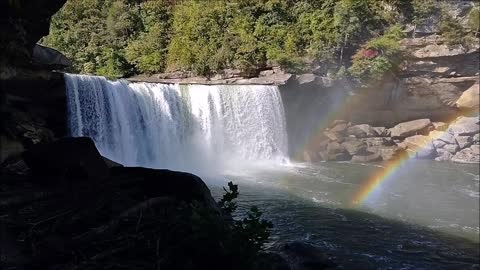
(379, 56)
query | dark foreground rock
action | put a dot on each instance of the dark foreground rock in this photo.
(68, 210)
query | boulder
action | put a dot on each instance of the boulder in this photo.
(362, 131)
(469, 100)
(451, 148)
(442, 136)
(464, 126)
(384, 146)
(157, 183)
(339, 128)
(382, 131)
(355, 147)
(303, 256)
(9, 147)
(338, 122)
(476, 138)
(444, 156)
(367, 158)
(407, 129)
(420, 146)
(334, 136)
(468, 155)
(68, 158)
(378, 141)
(464, 141)
(335, 152)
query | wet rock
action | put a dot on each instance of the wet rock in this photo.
(468, 155)
(367, 158)
(303, 256)
(407, 129)
(355, 147)
(469, 100)
(72, 158)
(362, 131)
(464, 141)
(464, 126)
(420, 146)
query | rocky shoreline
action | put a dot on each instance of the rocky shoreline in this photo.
(459, 142)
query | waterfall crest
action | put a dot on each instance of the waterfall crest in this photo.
(180, 127)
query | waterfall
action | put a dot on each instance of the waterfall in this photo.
(182, 127)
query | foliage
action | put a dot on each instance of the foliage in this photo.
(227, 202)
(378, 57)
(251, 228)
(119, 38)
(452, 30)
(474, 19)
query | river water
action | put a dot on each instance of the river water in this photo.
(425, 217)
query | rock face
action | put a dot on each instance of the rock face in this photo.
(410, 128)
(71, 158)
(23, 23)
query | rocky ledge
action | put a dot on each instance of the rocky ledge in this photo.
(458, 141)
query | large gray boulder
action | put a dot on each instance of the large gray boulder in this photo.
(468, 155)
(410, 128)
(464, 126)
(362, 131)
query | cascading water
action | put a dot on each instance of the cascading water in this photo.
(182, 127)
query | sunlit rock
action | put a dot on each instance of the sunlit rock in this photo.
(415, 127)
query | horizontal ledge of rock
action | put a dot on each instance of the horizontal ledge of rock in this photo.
(273, 79)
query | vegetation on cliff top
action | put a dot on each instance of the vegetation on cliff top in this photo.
(119, 38)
